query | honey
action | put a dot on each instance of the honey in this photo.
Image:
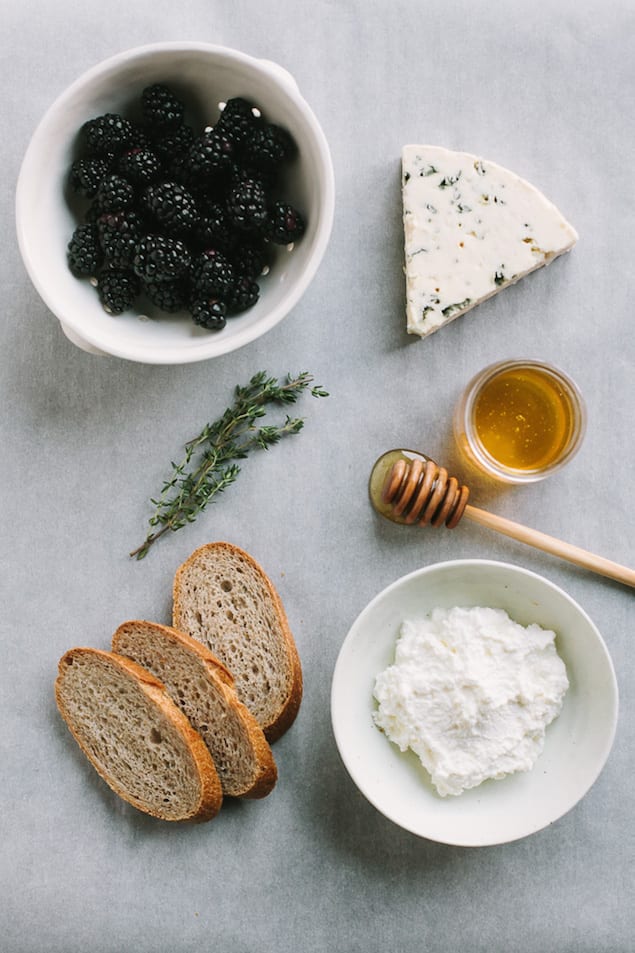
(523, 418)
(379, 475)
(520, 420)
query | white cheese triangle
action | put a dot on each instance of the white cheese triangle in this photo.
(471, 228)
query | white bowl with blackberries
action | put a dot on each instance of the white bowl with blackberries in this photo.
(175, 203)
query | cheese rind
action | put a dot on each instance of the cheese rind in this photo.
(471, 228)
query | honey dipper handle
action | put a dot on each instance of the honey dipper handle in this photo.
(549, 544)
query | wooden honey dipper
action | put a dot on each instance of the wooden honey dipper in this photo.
(409, 488)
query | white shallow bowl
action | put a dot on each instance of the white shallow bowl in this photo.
(206, 76)
(577, 744)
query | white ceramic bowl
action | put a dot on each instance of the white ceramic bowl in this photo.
(577, 742)
(206, 75)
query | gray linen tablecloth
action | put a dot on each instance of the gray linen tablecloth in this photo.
(547, 90)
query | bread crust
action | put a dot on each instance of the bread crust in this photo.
(263, 783)
(290, 705)
(210, 797)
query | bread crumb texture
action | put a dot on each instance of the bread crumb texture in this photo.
(204, 692)
(224, 599)
(133, 736)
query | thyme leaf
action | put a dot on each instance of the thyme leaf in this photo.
(209, 464)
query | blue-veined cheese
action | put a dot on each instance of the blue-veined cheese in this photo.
(471, 228)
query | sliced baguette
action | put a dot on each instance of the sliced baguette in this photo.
(204, 691)
(225, 600)
(136, 738)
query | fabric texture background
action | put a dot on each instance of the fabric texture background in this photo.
(545, 89)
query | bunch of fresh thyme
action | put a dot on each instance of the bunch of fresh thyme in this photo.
(209, 466)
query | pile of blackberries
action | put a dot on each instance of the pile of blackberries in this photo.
(185, 218)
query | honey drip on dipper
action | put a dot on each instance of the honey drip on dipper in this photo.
(408, 487)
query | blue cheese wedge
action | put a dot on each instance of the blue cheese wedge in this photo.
(471, 228)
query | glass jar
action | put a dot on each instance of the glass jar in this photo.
(520, 421)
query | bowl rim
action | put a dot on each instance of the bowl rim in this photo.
(441, 567)
(215, 346)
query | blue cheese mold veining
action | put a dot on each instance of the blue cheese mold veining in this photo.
(471, 227)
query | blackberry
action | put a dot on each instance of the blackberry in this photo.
(214, 228)
(107, 134)
(119, 233)
(139, 166)
(209, 191)
(250, 258)
(158, 258)
(117, 290)
(247, 205)
(161, 108)
(92, 213)
(140, 138)
(209, 156)
(188, 219)
(172, 206)
(284, 225)
(114, 193)
(242, 173)
(173, 144)
(167, 295)
(267, 147)
(244, 294)
(237, 120)
(84, 251)
(209, 313)
(212, 274)
(86, 174)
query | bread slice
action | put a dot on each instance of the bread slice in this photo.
(225, 600)
(136, 738)
(204, 691)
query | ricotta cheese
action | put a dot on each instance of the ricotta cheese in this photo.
(471, 228)
(471, 692)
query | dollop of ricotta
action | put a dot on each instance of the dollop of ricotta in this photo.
(471, 692)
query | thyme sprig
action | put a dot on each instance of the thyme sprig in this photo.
(209, 464)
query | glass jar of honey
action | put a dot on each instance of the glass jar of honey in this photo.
(520, 421)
